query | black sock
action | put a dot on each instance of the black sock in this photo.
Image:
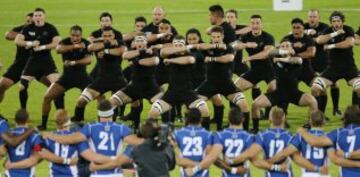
(354, 98)
(246, 121)
(44, 120)
(178, 110)
(121, 110)
(165, 117)
(319, 100)
(206, 123)
(79, 113)
(116, 113)
(135, 115)
(59, 102)
(23, 95)
(323, 104)
(232, 105)
(267, 112)
(358, 100)
(218, 116)
(335, 93)
(255, 124)
(255, 92)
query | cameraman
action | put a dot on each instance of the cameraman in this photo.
(155, 157)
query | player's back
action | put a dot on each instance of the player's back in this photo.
(317, 156)
(106, 138)
(192, 142)
(64, 151)
(273, 141)
(234, 141)
(348, 140)
(22, 152)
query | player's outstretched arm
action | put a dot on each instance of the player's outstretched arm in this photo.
(223, 165)
(263, 54)
(54, 43)
(10, 35)
(184, 162)
(288, 151)
(84, 61)
(238, 45)
(317, 141)
(91, 156)
(116, 51)
(26, 163)
(128, 55)
(206, 46)
(94, 47)
(309, 53)
(185, 60)
(13, 140)
(252, 151)
(304, 163)
(322, 39)
(243, 30)
(167, 51)
(133, 140)
(340, 161)
(51, 157)
(353, 155)
(357, 39)
(152, 61)
(348, 42)
(221, 59)
(73, 138)
(111, 164)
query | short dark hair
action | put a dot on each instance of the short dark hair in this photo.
(317, 118)
(179, 37)
(339, 14)
(21, 116)
(105, 14)
(297, 21)
(140, 19)
(30, 14)
(236, 117)
(217, 29)
(277, 114)
(39, 10)
(256, 16)
(149, 129)
(232, 11)
(165, 21)
(104, 105)
(76, 28)
(194, 31)
(193, 116)
(352, 115)
(217, 9)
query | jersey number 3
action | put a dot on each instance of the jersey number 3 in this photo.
(193, 146)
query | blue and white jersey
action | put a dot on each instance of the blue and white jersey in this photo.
(273, 141)
(4, 126)
(317, 156)
(348, 140)
(234, 142)
(192, 142)
(106, 138)
(64, 151)
(22, 152)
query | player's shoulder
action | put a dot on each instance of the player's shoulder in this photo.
(66, 41)
(18, 28)
(85, 41)
(267, 34)
(323, 25)
(49, 25)
(96, 33)
(348, 29)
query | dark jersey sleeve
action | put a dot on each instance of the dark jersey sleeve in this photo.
(174, 31)
(269, 40)
(119, 38)
(349, 32)
(229, 35)
(53, 32)
(17, 29)
(310, 42)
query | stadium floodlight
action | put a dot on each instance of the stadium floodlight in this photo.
(287, 5)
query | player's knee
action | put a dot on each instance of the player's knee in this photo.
(238, 98)
(48, 97)
(117, 100)
(318, 86)
(356, 85)
(24, 84)
(216, 100)
(85, 98)
(201, 105)
(156, 109)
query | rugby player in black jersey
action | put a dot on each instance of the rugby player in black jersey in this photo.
(136, 106)
(40, 38)
(258, 44)
(338, 40)
(313, 28)
(13, 73)
(216, 18)
(109, 77)
(219, 58)
(143, 84)
(75, 58)
(179, 61)
(288, 72)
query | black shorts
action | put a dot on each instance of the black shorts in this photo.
(94, 72)
(14, 72)
(319, 67)
(334, 74)
(209, 89)
(307, 75)
(280, 98)
(240, 68)
(174, 97)
(256, 75)
(80, 81)
(105, 84)
(162, 77)
(137, 91)
(39, 67)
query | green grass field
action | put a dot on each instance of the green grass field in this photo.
(183, 14)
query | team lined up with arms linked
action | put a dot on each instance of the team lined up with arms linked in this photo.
(317, 54)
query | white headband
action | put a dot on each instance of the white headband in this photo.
(336, 17)
(179, 41)
(107, 113)
(68, 123)
(143, 38)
